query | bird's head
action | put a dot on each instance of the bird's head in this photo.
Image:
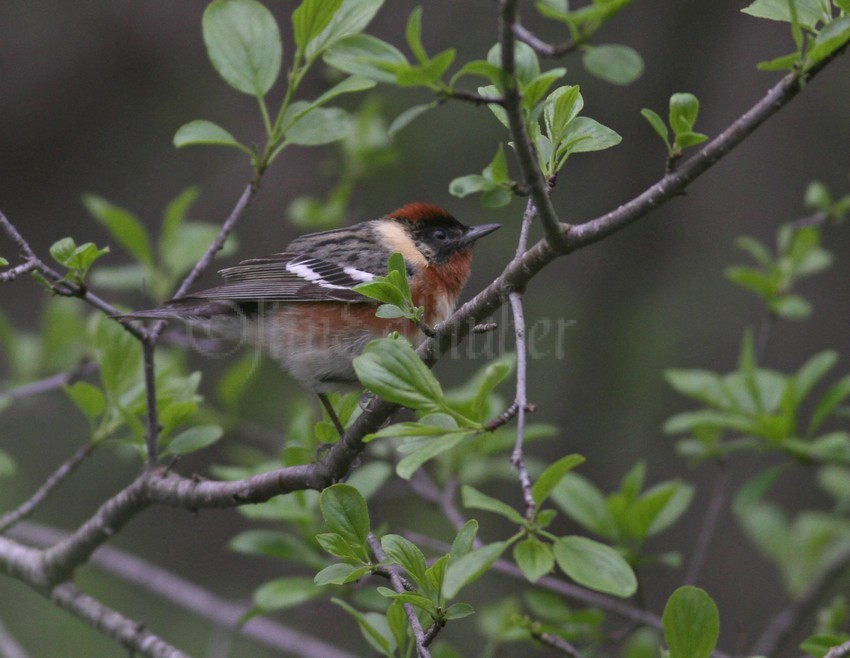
(427, 235)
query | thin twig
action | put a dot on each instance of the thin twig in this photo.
(783, 625)
(557, 643)
(542, 48)
(552, 227)
(54, 480)
(425, 487)
(717, 502)
(152, 414)
(470, 97)
(48, 384)
(9, 645)
(418, 633)
(521, 400)
(15, 272)
(517, 457)
(111, 623)
(59, 284)
(176, 590)
(840, 651)
(216, 245)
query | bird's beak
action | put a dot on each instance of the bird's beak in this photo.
(476, 232)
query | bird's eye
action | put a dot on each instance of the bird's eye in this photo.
(440, 234)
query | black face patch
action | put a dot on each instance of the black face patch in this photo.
(438, 239)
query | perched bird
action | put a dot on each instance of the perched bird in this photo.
(300, 307)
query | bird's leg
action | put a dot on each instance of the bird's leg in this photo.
(334, 418)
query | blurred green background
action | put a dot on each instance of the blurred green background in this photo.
(91, 93)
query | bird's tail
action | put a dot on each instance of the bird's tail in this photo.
(184, 310)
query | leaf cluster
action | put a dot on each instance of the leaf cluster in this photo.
(684, 110)
(798, 256)
(819, 28)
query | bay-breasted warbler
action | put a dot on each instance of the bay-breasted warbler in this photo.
(300, 307)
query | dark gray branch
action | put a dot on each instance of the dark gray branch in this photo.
(54, 480)
(197, 600)
(130, 634)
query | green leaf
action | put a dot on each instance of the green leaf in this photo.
(201, 131)
(534, 558)
(123, 226)
(425, 445)
(755, 249)
(7, 465)
(657, 124)
(819, 644)
(414, 35)
(595, 565)
(583, 502)
(274, 544)
(817, 196)
(285, 593)
(88, 398)
(688, 139)
(345, 513)
(808, 12)
(783, 63)
(408, 116)
(349, 85)
(764, 285)
(829, 39)
(561, 107)
(835, 395)
(378, 635)
(613, 63)
(675, 506)
(336, 545)
(464, 539)
(78, 259)
(3, 262)
(194, 439)
(691, 623)
(533, 92)
(684, 109)
(791, 307)
(61, 250)
(459, 611)
(812, 372)
(585, 134)
(397, 272)
(483, 69)
(390, 312)
(311, 18)
(553, 474)
(474, 499)
(339, 574)
(407, 554)
(470, 184)
(526, 64)
(244, 44)
(383, 291)
(428, 74)
(119, 356)
(321, 125)
(412, 598)
(471, 567)
(352, 17)
(174, 216)
(393, 370)
(703, 385)
(367, 56)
